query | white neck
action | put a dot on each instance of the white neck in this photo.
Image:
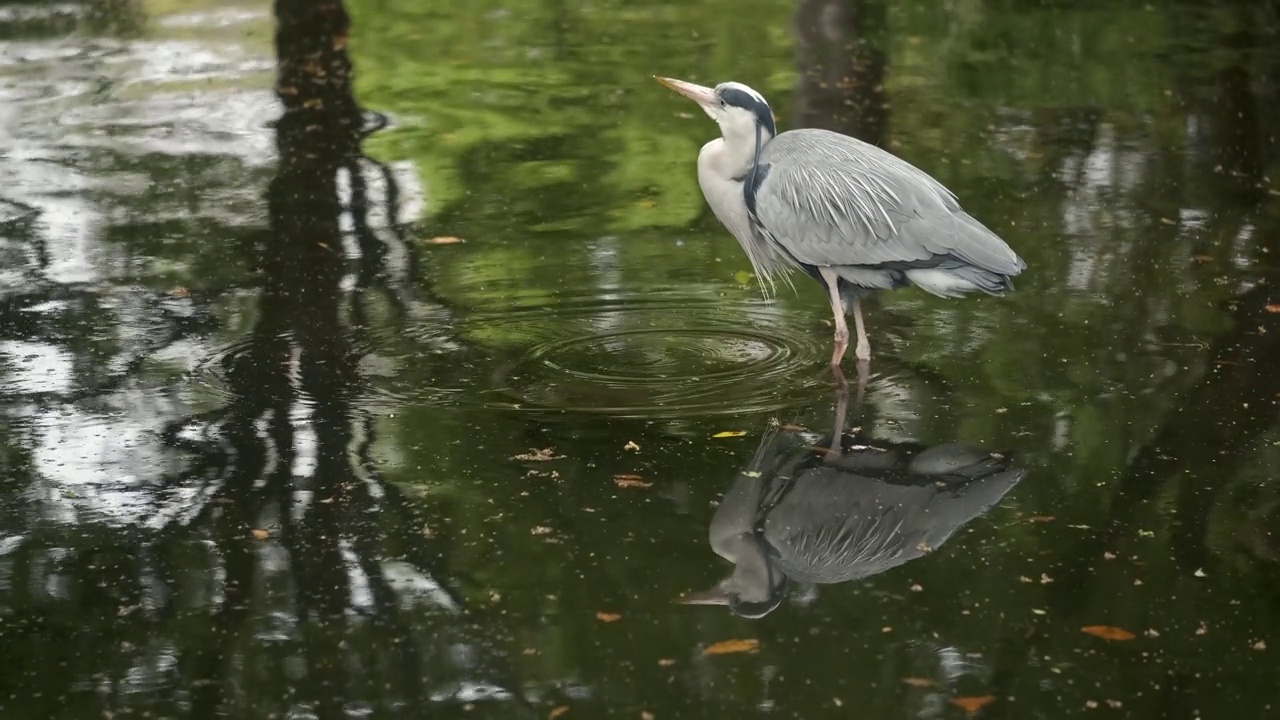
(731, 155)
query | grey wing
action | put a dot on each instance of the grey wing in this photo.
(832, 200)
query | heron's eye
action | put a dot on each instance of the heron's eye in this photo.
(723, 104)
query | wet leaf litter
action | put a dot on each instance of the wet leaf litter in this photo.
(1108, 632)
(630, 481)
(543, 455)
(971, 705)
(729, 647)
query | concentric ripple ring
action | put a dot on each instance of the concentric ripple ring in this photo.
(656, 357)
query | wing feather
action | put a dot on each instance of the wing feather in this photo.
(832, 200)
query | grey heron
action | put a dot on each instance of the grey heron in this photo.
(797, 514)
(850, 215)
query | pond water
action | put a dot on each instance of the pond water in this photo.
(383, 360)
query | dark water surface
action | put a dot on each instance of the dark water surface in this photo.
(269, 448)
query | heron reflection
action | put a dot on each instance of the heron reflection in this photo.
(810, 512)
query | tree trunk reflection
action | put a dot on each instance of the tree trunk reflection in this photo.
(841, 65)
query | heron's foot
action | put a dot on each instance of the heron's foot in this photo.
(863, 350)
(840, 345)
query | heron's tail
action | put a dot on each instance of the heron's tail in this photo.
(954, 281)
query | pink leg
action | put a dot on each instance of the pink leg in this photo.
(837, 312)
(862, 350)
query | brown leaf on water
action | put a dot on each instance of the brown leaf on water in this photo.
(918, 682)
(608, 617)
(1272, 307)
(445, 240)
(179, 292)
(260, 534)
(971, 704)
(630, 481)
(730, 434)
(557, 712)
(725, 647)
(1107, 632)
(646, 715)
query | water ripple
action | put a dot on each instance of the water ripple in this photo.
(660, 354)
(656, 354)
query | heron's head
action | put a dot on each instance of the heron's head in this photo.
(742, 602)
(739, 110)
(754, 589)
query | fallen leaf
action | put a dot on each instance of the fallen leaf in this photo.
(608, 617)
(1260, 645)
(180, 292)
(724, 647)
(259, 534)
(630, 481)
(646, 715)
(449, 240)
(631, 446)
(666, 662)
(1272, 307)
(558, 711)
(1107, 632)
(730, 434)
(918, 682)
(542, 455)
(971, 704)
